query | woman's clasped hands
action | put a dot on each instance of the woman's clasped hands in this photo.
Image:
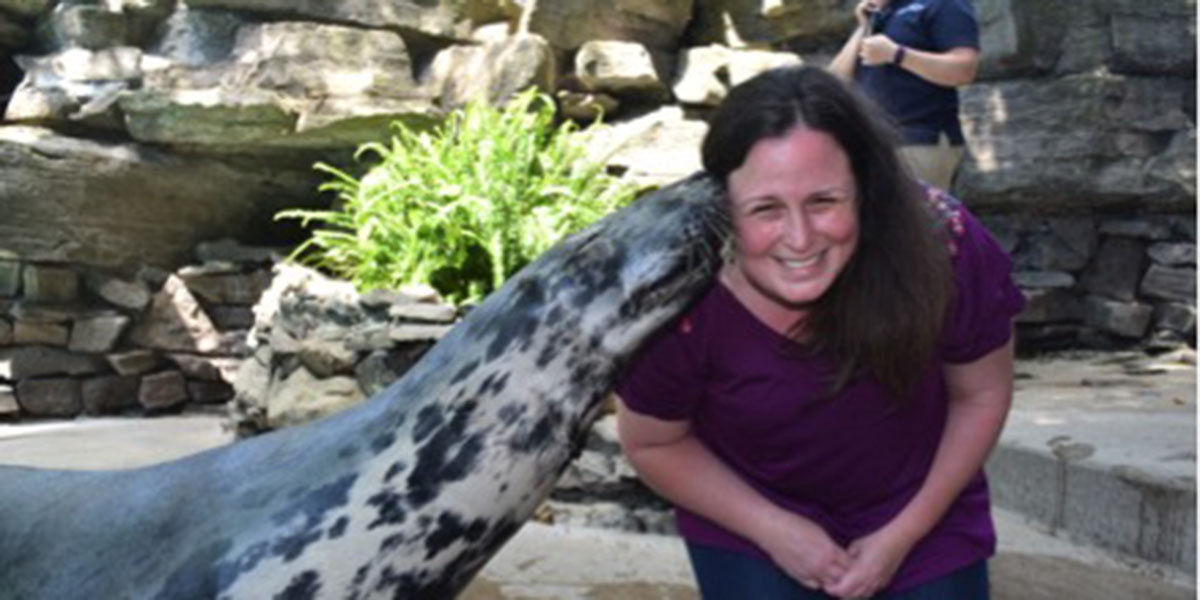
(806, 552)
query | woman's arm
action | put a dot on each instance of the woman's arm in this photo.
(980, 394)
(681, 469)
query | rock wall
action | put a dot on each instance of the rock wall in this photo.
(78, 340)
(135, 130)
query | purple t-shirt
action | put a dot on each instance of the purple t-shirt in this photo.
(849, 463)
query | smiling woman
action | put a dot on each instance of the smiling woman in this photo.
(820, 417)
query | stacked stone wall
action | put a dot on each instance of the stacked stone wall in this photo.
(80, 340)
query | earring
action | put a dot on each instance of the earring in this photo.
(728, 252)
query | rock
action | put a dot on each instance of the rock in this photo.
(492, 72)
(85, 26)
(57, 397)
(585, 106)
(1173, 254)
(1050, 305)
(230, 251)
(97, 334)
(291, 85)
(1028, 37)
(654, 149)
(209, 392)
(382, 368)
(432, 313)
(38, 361)
(27, 9)
(252, 380)
(192, 37)
(1081, 142)
(85, 213)
(702, 75)
(39, 332)
(132, 295)
(745, 23)
(10, 277)
(109, 394)
(175, 321)
(8, 401)
(438, 18)
(206, 368)
(620, 69)
(161, 391)
(300, 398)
(1149, 42)
(1063, 244)
(1043, 279)
(231, 318)
(1116, 269)
(1126, 319)
(1177, 317)
(1136, 228)
(1168, 283)
(326, 358)
(417, 332)
(75, 84)
(746, 63)
(50, 284)
(226, 288)
(569, 24)
(13, 36)
(134, 362)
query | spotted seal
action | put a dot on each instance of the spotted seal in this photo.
(406, 495)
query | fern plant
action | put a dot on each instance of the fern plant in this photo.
(463, 206)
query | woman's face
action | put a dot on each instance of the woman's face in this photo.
(795, 216)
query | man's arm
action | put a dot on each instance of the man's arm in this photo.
(952, 68)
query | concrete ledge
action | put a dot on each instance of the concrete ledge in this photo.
(1146, 514)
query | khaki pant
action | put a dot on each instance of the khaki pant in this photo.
(934, 164)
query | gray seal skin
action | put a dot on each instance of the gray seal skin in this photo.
(408, 494)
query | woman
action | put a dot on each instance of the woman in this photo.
(820, 417)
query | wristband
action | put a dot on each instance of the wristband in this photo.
(898, 57)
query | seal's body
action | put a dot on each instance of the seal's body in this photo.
(407, 495)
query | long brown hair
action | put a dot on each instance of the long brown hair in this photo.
(884, 313)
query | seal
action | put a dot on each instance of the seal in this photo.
(408, 494)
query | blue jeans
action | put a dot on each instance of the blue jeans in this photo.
(726, 575)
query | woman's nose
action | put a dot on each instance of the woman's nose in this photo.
(797, 230)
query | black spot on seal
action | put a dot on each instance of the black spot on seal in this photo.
(388, 509)
(302, 587)
(450, 529)
(448, 455)
(429, 419)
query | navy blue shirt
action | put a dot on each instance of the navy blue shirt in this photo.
(922, 109)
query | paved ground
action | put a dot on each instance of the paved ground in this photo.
(1095, 475)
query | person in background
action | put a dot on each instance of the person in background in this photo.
(820, 417)
(909, 56)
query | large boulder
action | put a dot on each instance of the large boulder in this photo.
(1082, 142)
(437, 18)
(1033, 37)
(110, 204)
(75, 84)
(568, 24)
(770, 23)
(288, 85)
(492, 71)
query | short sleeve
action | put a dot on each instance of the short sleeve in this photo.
(952, 24)
(986, 300)
(663, 381)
